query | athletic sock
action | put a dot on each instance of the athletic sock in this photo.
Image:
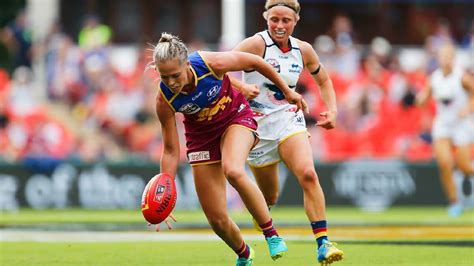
(320, 231)
(466, 186)
(243, 251)
(268, 229)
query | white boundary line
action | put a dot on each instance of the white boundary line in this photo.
(88, 236)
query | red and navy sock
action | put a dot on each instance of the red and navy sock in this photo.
(268, 229)
(320, 231)
(243, 251)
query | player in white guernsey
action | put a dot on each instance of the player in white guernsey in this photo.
(453, 127)
(283, 134)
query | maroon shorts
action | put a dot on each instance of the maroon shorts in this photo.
(205, 147)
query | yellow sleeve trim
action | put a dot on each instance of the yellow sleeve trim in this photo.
(168, 102)
(203, 76)
(174, 97)
(195, 76)
(210, 69)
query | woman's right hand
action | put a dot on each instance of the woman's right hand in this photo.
(295, 98)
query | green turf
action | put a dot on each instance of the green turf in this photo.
(216, 253)
(336, 215)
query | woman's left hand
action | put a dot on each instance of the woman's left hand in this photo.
(250, 91)
(329, 120)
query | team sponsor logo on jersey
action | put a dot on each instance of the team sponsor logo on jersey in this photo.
(241, 107)
(274, 63)
(255, 154)
(295, 68)
(300, 120)
(212, 93)
(199, 156)
(189, 108)
(197, 96)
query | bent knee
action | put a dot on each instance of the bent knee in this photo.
(219, 223)
(308, 177)
(234, 175)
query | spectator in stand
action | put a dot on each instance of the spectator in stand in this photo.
(4, 83)
(453, 91)
(94, 38)
(381, 48)
(468, 43)
(346, 55)
(441, 36)
(63, 67)
(23, 97)
(17, 38)
(325, 47)
(93, 34)
(95, 145)
(468, 40)
(359, 106)
(65, 78)
(5, 146)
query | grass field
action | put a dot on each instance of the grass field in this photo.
(399, 236)
(216, 253)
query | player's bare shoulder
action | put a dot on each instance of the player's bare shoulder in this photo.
(254, 44)
(309, 54)
(306, 48)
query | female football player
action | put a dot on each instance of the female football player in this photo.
(219, 130)
(453, 91)
(283, 134)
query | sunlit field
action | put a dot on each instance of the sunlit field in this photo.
(398, 236)
(216, 253)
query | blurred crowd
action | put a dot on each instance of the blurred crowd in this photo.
(90, 110)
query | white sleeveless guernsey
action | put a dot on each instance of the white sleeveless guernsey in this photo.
(271, 110)
(451, 98)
